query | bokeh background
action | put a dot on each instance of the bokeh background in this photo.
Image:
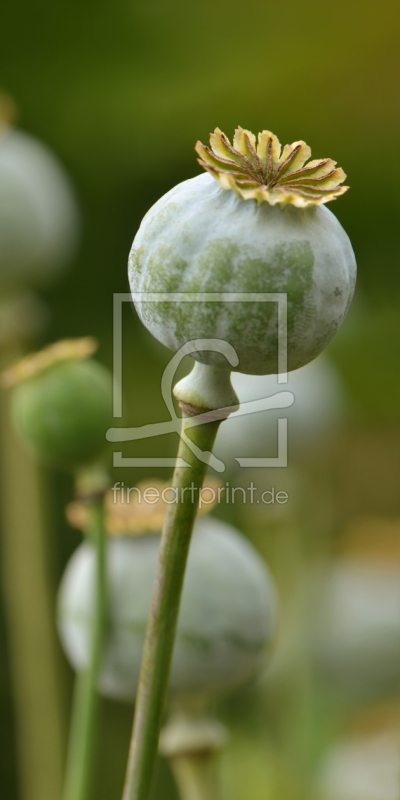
(121, 92)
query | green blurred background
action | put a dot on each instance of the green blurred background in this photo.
(121, 92)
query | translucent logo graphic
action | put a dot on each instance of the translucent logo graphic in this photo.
(278, 400)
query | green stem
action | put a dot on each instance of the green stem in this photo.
(84, 724)
(29, 605)
(29, 594)
(161, 626)
(192, 742)
(196, 776)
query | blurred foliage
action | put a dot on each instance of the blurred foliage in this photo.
(121, 92)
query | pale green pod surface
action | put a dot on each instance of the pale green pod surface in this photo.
(200, 237)
(39, 223)
(356, 631)
(361, 767)
(63, 413)
(226, 621)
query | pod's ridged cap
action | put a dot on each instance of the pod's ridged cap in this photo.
(266, 173)
(36, 363)
(131, 515)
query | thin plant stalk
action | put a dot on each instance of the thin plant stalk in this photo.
(163, 616)
(85, 713)
(196, 776)
(29, 597)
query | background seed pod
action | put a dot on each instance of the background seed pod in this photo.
(357, 626)
(227, 616)
(63, 413)
(39, 223)
(361, 767)
(316, 414)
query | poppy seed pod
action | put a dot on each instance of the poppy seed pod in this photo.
(61, 403)
(227, 615)
(355, 607)
(39, 221)
(364, 765)
(357, 626)
(255, 223)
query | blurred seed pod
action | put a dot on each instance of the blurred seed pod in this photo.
(356, 630)
(39, 220)
(62, 403)
(362, 768)
(315, 415)
(226, 622)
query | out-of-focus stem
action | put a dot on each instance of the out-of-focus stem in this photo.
(196, 776)
(85, 713)
(192, 745)
(29, 600)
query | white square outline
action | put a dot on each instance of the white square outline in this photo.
(193, 297)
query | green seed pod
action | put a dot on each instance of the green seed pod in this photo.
(227, 615)
(255, 224)
(61, 403)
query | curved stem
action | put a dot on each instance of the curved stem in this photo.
(161, 626)
(83, 734)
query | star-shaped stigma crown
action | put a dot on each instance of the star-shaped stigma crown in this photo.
(267, 173)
